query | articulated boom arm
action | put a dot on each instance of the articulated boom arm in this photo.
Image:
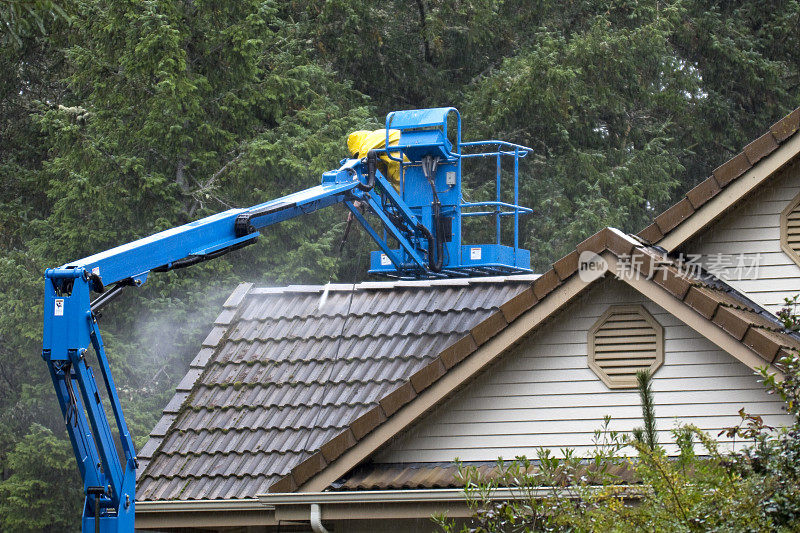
(421, 214)
(70, 328)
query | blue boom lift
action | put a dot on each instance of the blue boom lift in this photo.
(420, 211)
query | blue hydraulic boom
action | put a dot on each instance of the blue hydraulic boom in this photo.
(410, 185)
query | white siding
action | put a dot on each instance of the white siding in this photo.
(753, 230)
(543, 394)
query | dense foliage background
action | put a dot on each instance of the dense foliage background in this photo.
(122, 118)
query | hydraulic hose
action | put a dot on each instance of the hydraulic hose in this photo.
(372, 168)
(437, 227)
(431, 245)
(435, 243)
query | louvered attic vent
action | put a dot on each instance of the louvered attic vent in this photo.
(623, 341)
(790, 229)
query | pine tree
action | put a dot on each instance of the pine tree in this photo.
(647, 435)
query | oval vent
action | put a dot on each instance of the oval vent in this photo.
(790, 230)
(624, 340)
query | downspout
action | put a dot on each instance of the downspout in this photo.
(316, 519)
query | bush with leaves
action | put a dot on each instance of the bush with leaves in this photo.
(756, 489)
(774, 458)
(543, 493)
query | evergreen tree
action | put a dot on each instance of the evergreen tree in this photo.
(159, 113)
(120, 119)
(647, 434)
(43, 491)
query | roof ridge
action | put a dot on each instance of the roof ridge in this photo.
(384, 285)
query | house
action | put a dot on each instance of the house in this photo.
(350, 412)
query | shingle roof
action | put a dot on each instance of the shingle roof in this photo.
(722, 177)
(257, 412)
(278, 377)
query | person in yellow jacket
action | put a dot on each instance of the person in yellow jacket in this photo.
(362, 141)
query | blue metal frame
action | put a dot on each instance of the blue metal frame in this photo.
(518, 153)
(70, 324)
(424, 133)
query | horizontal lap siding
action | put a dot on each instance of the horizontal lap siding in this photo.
(753, 230)
(543, 394)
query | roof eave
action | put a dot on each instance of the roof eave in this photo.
(161, 506)
(160, 515)
(404, 504)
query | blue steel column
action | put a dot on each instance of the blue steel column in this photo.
(111, 388)
(100, 426)
(499, 199)
(460, 199)
(68, 332)
(77, 427)
(516, 202)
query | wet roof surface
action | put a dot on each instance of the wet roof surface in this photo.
(278, 377)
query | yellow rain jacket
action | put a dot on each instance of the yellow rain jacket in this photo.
(362, 141)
